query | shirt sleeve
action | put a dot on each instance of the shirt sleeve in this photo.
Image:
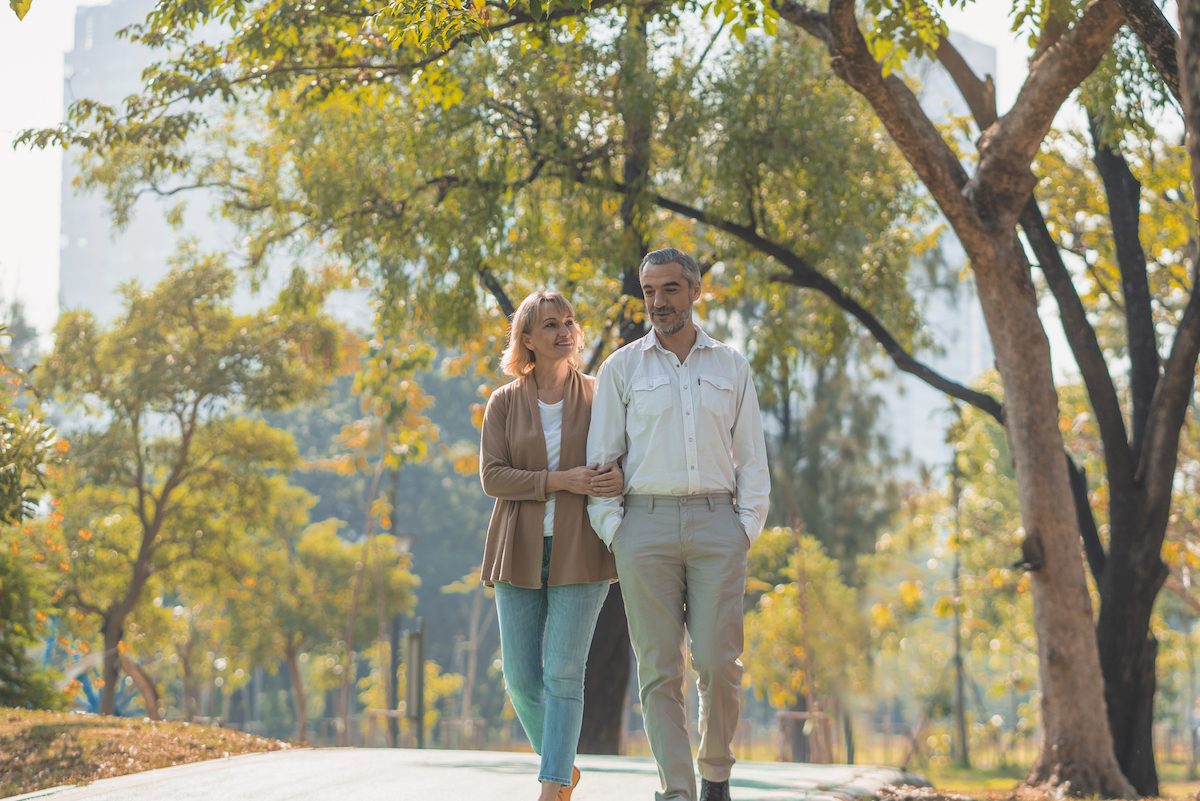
(750, 470)
(606, 443)
(496, 472)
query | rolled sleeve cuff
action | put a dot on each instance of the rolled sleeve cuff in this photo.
(611, 524)
(750, 524)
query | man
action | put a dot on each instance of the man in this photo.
(680, 411)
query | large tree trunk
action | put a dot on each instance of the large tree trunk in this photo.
(1077, 745)
(1133, 575)
(608, 661)
(1133, 572)
(606, 680)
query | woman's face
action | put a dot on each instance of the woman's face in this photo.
(554, 335)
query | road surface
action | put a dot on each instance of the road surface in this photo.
(375, 774)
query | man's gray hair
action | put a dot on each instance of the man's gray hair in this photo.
(691, 270)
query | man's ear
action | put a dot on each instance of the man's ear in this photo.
(695, 292)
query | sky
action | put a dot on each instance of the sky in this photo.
(31, 96)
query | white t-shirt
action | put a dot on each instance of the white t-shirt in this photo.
(552, 429)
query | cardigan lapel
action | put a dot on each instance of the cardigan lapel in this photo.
(537, 448)
(575, 421)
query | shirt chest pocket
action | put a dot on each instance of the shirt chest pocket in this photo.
(650, 396)
(716, 397)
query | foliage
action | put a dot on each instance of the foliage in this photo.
(440, 687)
(21, 685)
(830, 463)
(911, 597)
(512, 180)
(804, 636)
(166, 473)
(30, 452)
(1077, 215)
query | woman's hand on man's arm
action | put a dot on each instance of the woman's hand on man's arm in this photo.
(608, 482)
(577, 480)
(603, 482)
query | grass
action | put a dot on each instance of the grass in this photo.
(47, 749)
(999, 783)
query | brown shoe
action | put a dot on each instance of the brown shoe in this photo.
(564, 793)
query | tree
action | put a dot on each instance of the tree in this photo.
(30, 451)
(167, 472)
(804, 639)
(830, 461)
(291, 562)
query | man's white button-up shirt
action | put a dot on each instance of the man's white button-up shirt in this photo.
(679, 428)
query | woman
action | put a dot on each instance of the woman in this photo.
(550, 571)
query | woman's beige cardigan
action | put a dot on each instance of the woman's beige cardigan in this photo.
(513, 469)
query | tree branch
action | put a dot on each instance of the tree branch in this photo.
(901, 114)
(1159, 39)
(802, 274)
(815, 23)
(1092, 547)
(1168, 409)
(1003, 180)
(1085, 345)
(492, 284)
(980, 95)
(1123, 192)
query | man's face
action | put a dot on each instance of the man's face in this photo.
(669, 297)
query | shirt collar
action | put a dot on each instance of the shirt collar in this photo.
(703, 340)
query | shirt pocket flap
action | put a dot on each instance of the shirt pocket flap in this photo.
(648, 382)
(718, 382)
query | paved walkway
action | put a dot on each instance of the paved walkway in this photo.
(361, 774)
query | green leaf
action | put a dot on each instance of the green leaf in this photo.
(20, 7)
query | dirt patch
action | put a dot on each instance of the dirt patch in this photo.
(46, 749)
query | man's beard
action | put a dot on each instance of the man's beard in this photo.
(681, 320)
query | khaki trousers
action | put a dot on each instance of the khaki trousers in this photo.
(681, 561)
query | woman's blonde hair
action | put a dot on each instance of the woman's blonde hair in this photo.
(517, 359)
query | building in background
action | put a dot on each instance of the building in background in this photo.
(95, 258)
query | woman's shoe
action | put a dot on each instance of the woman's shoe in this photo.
(565, 793)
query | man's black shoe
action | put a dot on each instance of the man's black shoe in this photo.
(714, 791)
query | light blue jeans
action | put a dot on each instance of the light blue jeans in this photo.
(545, 635)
